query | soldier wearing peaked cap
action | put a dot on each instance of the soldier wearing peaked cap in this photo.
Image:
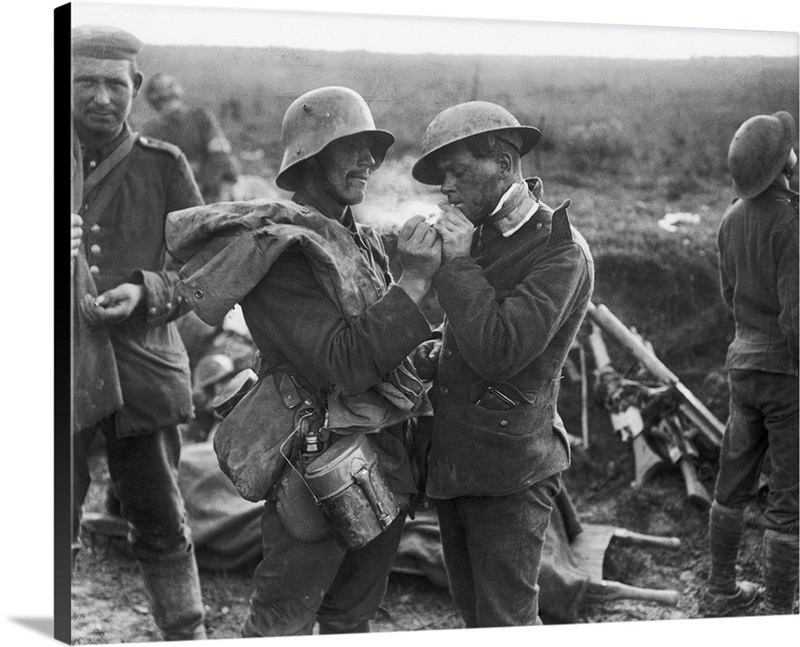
(758, 251)
(129, 185)
(515, 283)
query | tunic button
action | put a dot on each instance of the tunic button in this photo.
(504, 423)
(198, 294)
(92, 164)
(447, 353)
(443, 390)
(152, 311)
(95, 227)
(538, 225)
(95, 249)
(169, 305)
(94, 269)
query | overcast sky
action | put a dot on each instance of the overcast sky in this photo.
(156, 24)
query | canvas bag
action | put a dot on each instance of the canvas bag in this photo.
(249, 440)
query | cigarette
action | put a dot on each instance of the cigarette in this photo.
(433, 218)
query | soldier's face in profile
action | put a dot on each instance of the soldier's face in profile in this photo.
(102, 94)
(470, 183)
(347, 164)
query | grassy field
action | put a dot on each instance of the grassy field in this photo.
(670, 118)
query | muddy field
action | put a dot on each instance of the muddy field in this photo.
(689, 333)
(109, 604)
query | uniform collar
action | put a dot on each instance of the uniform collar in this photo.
(92, 156)
(315, 196)
(516, 207)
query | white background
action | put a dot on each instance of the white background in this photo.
(26, 455)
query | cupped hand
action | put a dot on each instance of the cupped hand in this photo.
(419, 247)
(455, 230)
(113, 306)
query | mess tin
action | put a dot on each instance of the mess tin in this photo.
(349, 485)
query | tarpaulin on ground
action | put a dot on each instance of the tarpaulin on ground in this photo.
(226, 531)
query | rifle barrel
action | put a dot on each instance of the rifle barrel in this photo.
(708, 424)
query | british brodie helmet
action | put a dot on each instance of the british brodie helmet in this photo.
(758, 152)
(466, 120)
(319, 117)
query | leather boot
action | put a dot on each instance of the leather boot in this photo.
(173, 591)
(327, 627)
(780, 572)
(725, 529)
(724, 596)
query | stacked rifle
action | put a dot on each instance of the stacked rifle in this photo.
(651, 408)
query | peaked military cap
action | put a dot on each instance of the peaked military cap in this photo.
(100, 41)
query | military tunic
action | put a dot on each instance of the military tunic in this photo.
(125, 243)
(758, 248)
(512, 311)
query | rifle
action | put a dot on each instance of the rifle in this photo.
(626, 417)
(711, 428)
(681, 452)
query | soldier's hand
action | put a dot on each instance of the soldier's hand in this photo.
(426, 358)
(113, 306)
(77, 233)
(420, 251)
(456, 232)
(419, 247)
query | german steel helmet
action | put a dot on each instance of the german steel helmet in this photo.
(758, 152)
(321, 116)
(465, 120)
(212, 369)
(162, 87)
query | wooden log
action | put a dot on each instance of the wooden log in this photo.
(609, 590)
(631, 537)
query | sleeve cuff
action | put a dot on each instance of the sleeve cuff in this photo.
(160, 300)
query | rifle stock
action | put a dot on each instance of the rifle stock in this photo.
(695, 490)
(645, 461)
(626, 421)
(705, 421)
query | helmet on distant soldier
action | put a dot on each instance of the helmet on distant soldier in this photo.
(466, 120)
(758, 152)
(319, 117)
(212, 369)
(161, 88)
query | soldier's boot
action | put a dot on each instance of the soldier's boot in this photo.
(780, 572)
(723, 595)
(332, 627)
(173, 592)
